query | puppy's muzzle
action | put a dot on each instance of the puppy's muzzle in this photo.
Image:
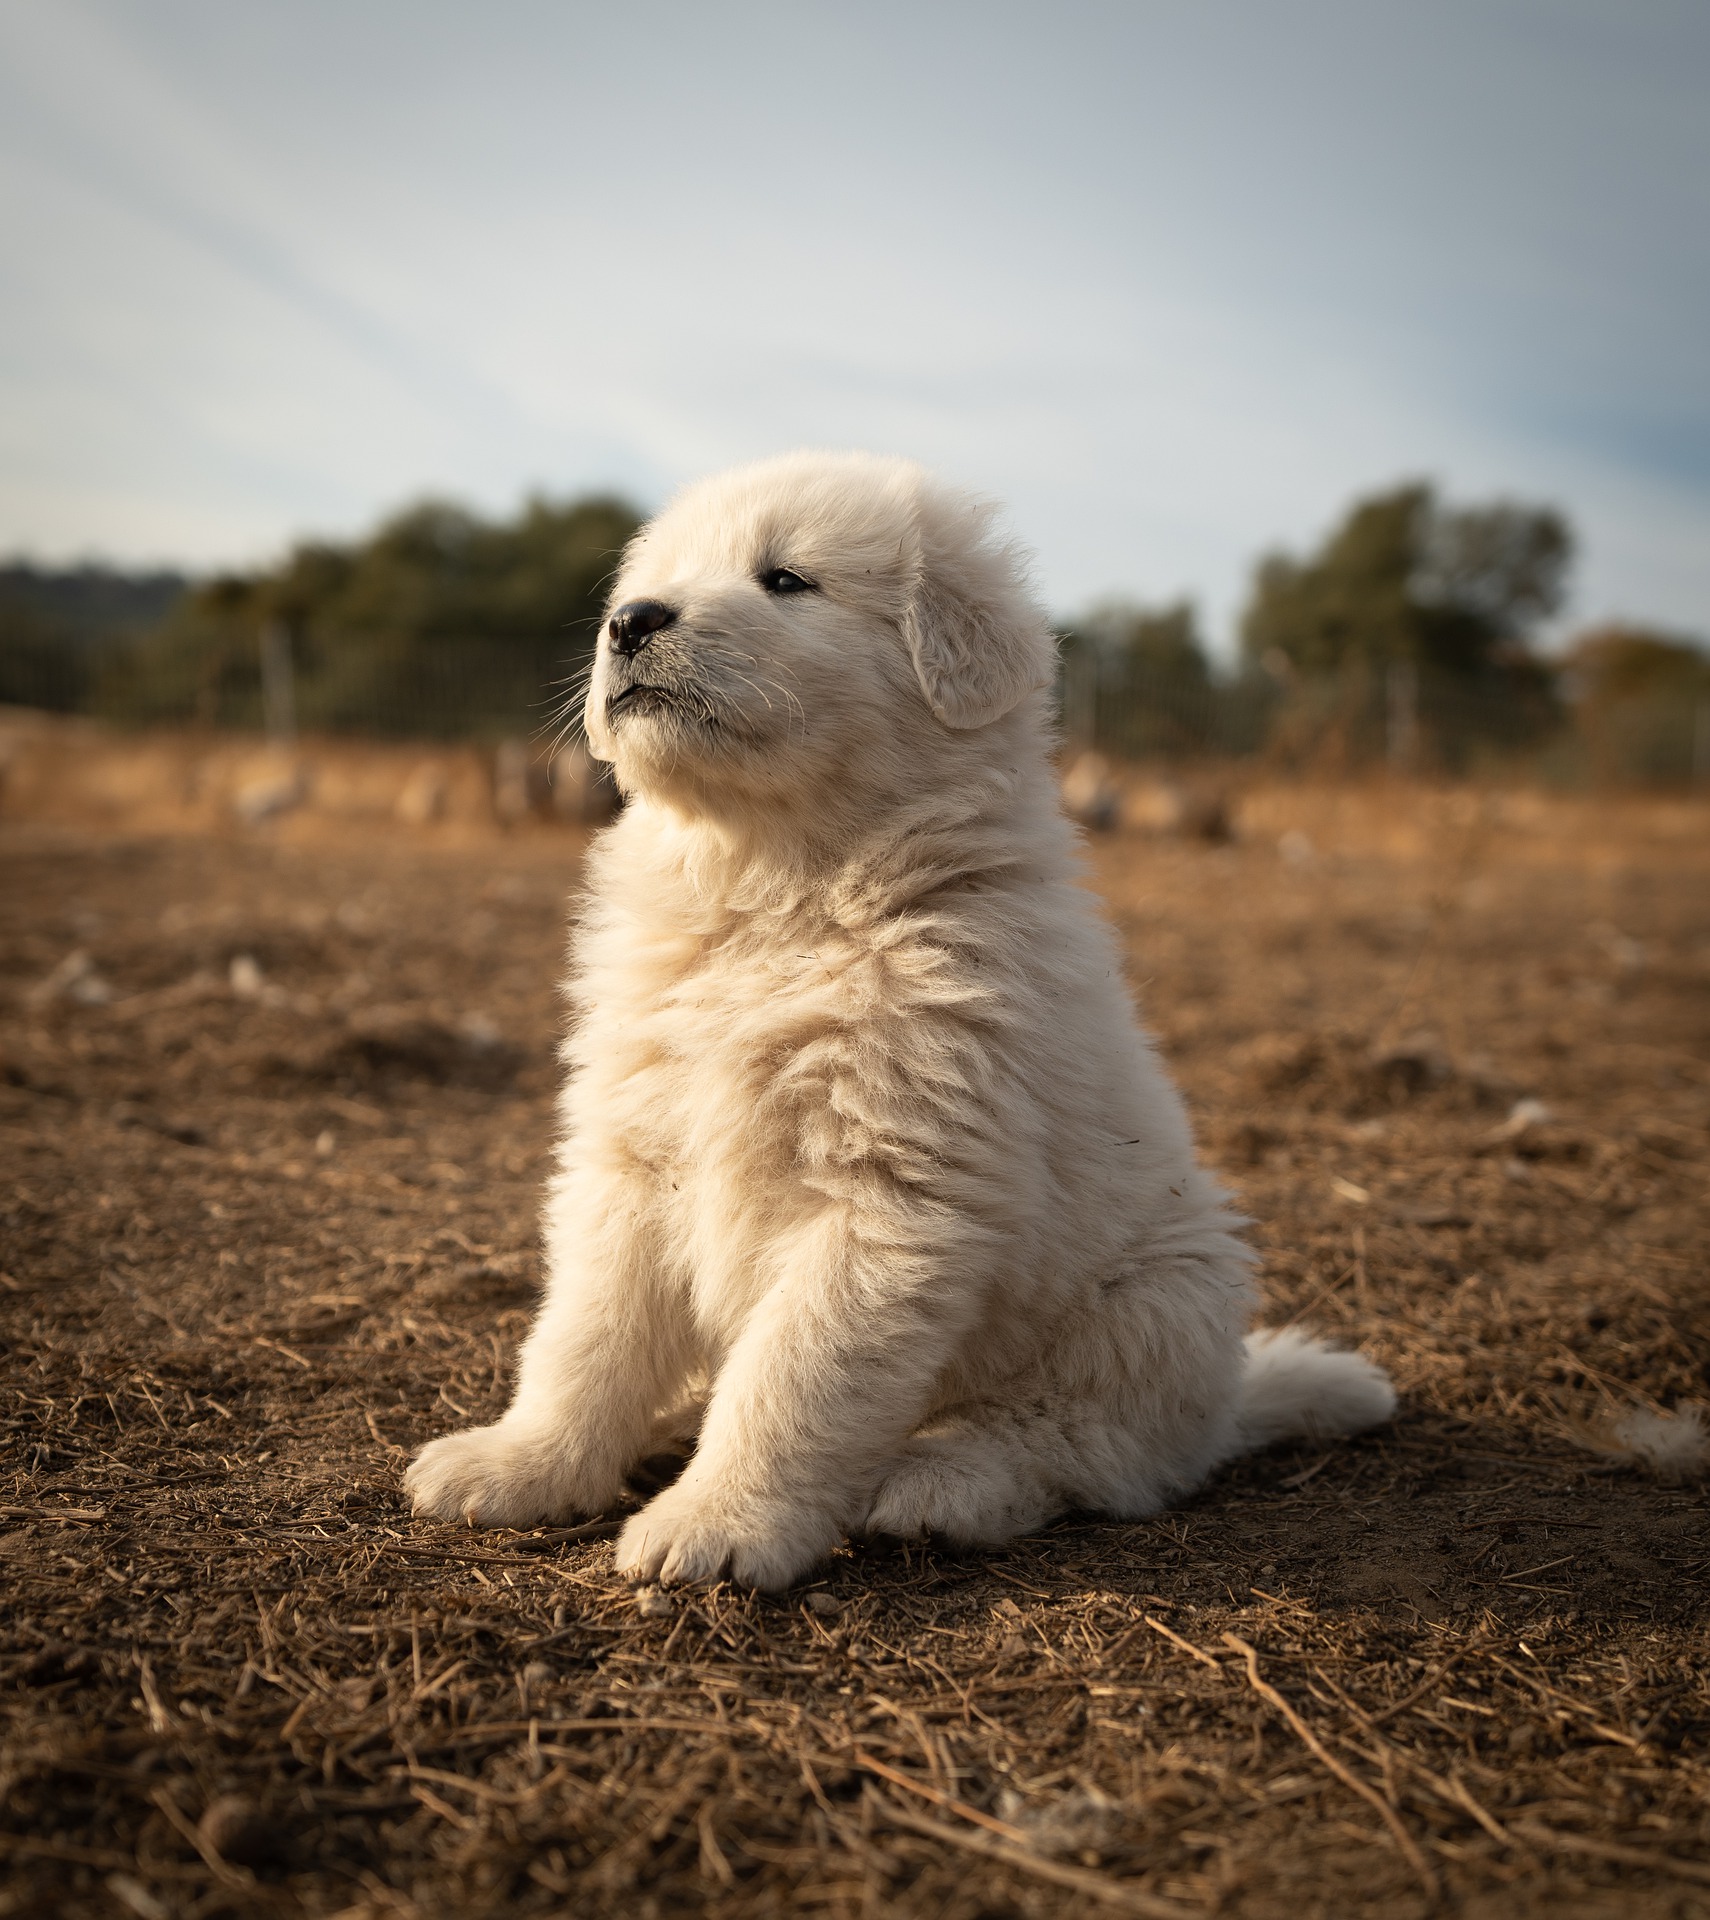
(636, 622)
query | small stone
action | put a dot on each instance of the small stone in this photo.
(423, 798)
(73, 979)
(245, 976)
(536, 1674)
(821, 1602)
(652, 1604)
(478, 1032)
(239, 1832)
(1296, 848)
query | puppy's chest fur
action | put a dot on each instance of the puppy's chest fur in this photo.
(751, 1069)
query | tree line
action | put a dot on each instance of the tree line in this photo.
(445, 622)
(440, 620)
(1414, 623)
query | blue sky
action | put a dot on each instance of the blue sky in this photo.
(1174, 281)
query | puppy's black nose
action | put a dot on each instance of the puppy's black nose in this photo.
(636, 621)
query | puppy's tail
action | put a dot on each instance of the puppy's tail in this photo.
(1295, 1388)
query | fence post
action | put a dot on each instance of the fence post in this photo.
(278, 684)
(1701, 744)
(1401, 733)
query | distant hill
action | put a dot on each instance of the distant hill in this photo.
(58, 624)
(91, 603)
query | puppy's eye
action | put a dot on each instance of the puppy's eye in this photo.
(785, 580)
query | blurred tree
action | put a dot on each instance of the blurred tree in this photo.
(1617, 662)
(1152, 643)
(1406, 579)
(1137, 680)
(1641, 700)
(440, 621)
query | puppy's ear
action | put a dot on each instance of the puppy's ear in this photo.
(979, 641)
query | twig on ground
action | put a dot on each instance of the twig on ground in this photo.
(1408, 1846)
(1097, 1886)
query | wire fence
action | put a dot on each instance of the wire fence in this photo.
(478, 687)
(1411, 722)
(488, 688)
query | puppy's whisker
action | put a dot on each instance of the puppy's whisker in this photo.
(780, 666)
(565, 723)
(565, 718)
(747, 681)
(765, 687)
(797, 712)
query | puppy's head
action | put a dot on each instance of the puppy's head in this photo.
(816, 624)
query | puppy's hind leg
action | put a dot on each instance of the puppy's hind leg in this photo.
(981, 1474)
(607, 1352)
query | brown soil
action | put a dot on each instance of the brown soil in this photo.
(269, 1160)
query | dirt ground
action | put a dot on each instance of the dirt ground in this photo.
(274, 1112)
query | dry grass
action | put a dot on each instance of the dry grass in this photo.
(258, 1243)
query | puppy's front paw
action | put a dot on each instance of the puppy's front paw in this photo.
(694, 1535)
(498, 1477)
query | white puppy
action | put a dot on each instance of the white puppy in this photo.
(868, 1176)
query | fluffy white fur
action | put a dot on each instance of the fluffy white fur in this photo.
(868, 1176)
